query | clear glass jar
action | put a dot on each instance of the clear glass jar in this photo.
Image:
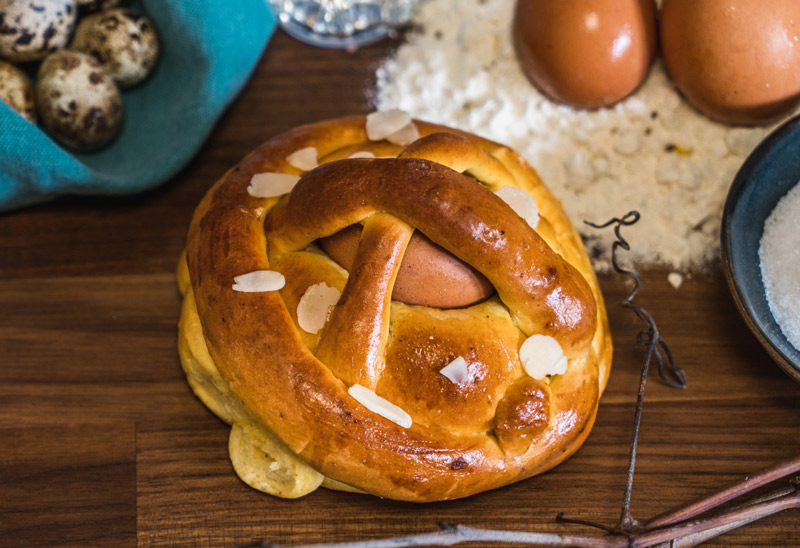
(342, 23)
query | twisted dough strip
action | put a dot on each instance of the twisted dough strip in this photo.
(525, 426)
(544, 293)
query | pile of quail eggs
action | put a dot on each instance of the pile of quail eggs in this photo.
(77, 92)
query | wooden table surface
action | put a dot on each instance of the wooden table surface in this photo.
(104, 444)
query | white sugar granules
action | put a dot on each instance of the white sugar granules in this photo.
(652, 152)
(779, 253)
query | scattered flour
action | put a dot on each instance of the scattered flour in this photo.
(779, 253)
(652, 152)
(675, 279)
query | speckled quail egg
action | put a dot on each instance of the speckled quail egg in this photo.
(16, 90)
(124, 42)
(94, 5)
(30, 29)
(78, 102)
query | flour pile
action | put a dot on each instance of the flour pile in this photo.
(652, 152)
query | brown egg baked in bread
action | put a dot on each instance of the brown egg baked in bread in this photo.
(323, 318)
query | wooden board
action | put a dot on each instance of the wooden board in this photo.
(103, 444)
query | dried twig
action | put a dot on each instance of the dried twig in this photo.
(449, 535)
(684, 535)
(651, 339)
(726, 494)
(676, 528)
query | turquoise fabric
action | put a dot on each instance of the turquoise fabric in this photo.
(209, 49)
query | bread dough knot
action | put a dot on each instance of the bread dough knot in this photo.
(489, 423)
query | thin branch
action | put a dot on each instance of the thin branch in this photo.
(684, 535)
(689, 541)
(649, 336)
(561, 519)
(456, 534)
(755, 511)
(626, 519)
(654, 345)
(728, 493)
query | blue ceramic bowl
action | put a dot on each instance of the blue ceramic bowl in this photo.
(770, 171)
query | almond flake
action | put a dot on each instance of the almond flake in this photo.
(269, 185)
(315, 306)
(405, 135)
(541, 356)
(382, 124)
(380, 406)
(456, 371)
(522, 204)
(362, 154)
(304, 159)
(259, 281)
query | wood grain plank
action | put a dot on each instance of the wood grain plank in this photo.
(88, 349)
(88, 316)
(178, 461)
(68, 486)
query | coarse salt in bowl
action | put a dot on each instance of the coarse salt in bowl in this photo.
(767, 175)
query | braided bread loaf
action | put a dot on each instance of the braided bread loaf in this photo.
(406, 401)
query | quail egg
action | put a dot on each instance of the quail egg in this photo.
(30, 29)
(123, 41)
(78, 102)
(16, 90)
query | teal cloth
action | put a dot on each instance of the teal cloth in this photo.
(208, 51)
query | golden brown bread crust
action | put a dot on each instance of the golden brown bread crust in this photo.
(501, 426)
(544, 292)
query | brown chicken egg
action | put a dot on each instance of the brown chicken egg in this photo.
(585, 53)
(429, 275)
(737, 61)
